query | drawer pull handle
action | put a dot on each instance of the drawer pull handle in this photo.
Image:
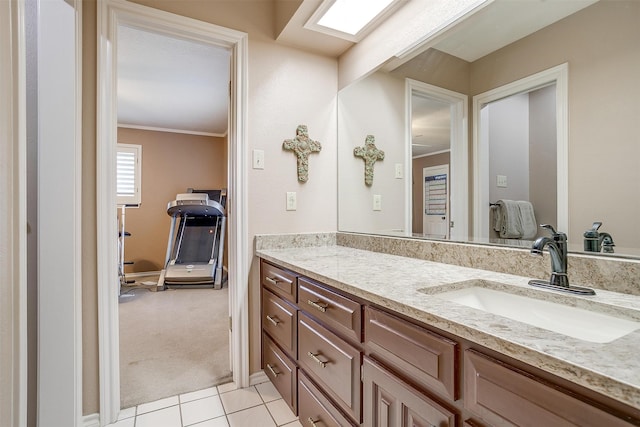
(312, 422)
(273, 371)
(272, 280)
(314, 357)
(274, 321)
(320, 306)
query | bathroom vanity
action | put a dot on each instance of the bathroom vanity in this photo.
(354, 337)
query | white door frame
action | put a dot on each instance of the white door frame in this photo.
(110, 14)
(459, 155)
(558, 75)
(13, 216)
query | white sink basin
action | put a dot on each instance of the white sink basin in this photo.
(575, 322)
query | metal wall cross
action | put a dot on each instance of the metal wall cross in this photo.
(369, 154)
(302, 146)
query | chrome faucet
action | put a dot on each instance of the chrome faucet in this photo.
(557, 246)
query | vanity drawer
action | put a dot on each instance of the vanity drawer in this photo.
(279, 320)
(506, 396)
(280, 281)
(315, 407)
(332, 363)
(422, 356)
(339, 313)
(389, 401)
(281, 371)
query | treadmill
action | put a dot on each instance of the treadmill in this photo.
(195, 246)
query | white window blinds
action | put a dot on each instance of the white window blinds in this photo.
(128, 173)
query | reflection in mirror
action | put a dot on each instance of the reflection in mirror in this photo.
(599, 43)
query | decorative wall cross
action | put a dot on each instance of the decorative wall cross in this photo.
(369, 154)
(302, 145)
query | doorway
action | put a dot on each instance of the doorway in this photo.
(172, 109)
(554, 82)
(437, 135)
(111, 14)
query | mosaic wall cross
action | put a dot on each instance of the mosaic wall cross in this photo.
(302, 146)
(370, 154)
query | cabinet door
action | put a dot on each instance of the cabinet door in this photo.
(281, 371)
(316, 410)
(390, 402)
(279, 281)
(337, 312)
(332, 363)
(422, 356)
(503, 395)
(279, 321)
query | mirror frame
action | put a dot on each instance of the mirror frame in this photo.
(558, 75)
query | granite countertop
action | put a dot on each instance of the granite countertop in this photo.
(402, 284)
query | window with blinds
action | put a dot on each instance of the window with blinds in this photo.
(128, 174)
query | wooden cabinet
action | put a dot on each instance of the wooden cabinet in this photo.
(316, 409)
(331, 362)
(337, 312)
(279, 281)
(279, 320)
(429, 359)
(281, 370)
(505, 396)
(411, 374)
(391, 402)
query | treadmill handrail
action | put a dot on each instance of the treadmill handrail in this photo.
(197, 208)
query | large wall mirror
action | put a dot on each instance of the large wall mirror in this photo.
(580, 159)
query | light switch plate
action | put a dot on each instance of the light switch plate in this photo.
(399, 173)
(292, 203)
(377, 202)
(501, 181)
(258, 159)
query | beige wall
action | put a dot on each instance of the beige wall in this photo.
(287, 87)
(171, 163)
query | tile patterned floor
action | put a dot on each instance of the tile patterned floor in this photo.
(222, 406)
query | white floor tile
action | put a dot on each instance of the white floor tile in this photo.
(158, 404)
(281, 412)
(296, 423)
(223, 388)
(238, 400)
(253, 417)
(127, 422)
(216, 422)
(201, 410)
(187, 397)
(127, 413)
(168, 417)
(268, 391)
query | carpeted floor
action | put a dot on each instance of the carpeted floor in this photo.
(172, 342)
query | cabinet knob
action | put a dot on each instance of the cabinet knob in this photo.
(312, 422)
(273, 371)
(320, 306)
(272, 280)
(315, 358)
(273, 320)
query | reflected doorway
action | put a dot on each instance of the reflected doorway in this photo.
(438, 136)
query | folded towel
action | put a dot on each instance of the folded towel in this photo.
(527, 220)
(509, 219)
(515, 219)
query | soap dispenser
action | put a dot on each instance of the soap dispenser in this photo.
(592, 238)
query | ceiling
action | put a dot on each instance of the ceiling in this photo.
(172, 84)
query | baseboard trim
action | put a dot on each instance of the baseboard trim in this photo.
(91, 420)
(258, 378)
(142, 274)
